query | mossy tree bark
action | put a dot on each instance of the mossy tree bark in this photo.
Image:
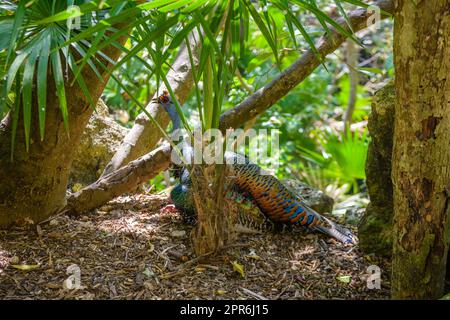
(33, 186)
(375, 227)
(421, 152)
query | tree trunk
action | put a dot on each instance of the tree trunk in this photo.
(421, 153)
(33, 185)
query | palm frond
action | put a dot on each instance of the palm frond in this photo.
(43, 45)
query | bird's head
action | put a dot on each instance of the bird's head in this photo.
(165, 100)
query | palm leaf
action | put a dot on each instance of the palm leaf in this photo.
(175, 6)
(14, 68)
(27, 94)
(146, 40)
(196, 87)
(6, 27)
(324, 19)
(83, 9)
(19, 17)
(60, 89)
(263, 28)
(194, 6)
(15, 111)
(42, 82)
(344, 14)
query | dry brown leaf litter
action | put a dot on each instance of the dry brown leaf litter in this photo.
(132, 249)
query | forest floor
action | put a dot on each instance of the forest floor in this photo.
(134, 249)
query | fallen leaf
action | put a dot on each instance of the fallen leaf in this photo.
(55, 234)
(149, 285)
(25, 267)
(77, 187)
(29, 221)
(344, 279)
(239, 268)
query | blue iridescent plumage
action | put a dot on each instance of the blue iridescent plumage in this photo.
(273, 199)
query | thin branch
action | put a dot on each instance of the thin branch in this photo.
(144, 135)
(267, 96)
(120, 181)
(151, 164)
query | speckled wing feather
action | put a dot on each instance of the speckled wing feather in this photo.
(274, 200)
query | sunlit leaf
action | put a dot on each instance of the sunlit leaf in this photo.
(19, 17)
(17, 63)
(194, 5)
(174, 6)
(239, 268)
(344, 279)
(370, 71)
(6, 27)
(25, 267)
(263, 28)
(83, 9)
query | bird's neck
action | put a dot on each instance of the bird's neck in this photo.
(186, 148)
(174, 116)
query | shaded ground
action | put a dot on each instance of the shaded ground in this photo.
(131, 249)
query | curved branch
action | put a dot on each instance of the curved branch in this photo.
(123, 180)
(144, 135)
(268, 95)
(152, 163)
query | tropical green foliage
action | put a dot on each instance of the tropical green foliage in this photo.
(342, 158)
(245, 44)
(42, 35)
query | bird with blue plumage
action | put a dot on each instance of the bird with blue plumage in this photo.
(254, 198)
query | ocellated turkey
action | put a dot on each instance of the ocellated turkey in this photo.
(264, 201)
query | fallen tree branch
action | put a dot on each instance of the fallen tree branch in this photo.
(151, 164)
(268, 95)
(119, 182)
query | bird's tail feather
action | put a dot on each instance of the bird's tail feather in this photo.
(336, 231)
